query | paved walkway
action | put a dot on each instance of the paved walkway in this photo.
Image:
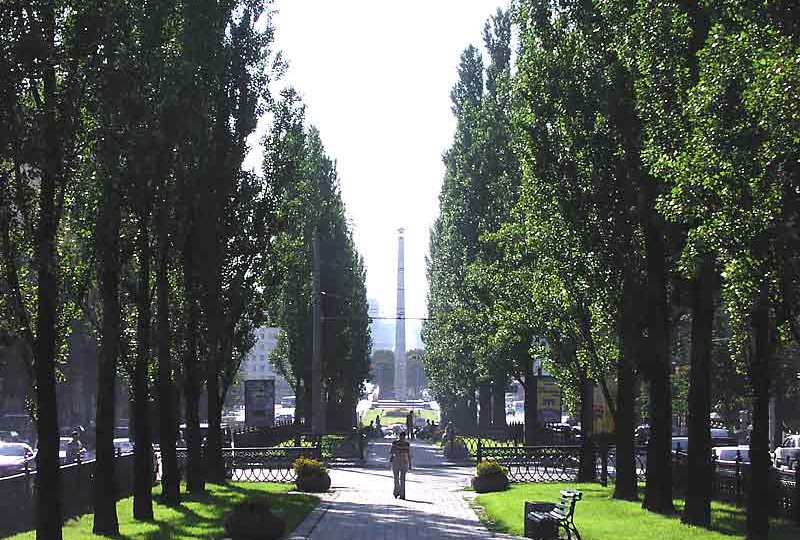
(361, 505)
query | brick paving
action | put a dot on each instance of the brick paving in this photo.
(361, 506)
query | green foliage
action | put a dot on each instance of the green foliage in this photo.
(308, 467)
(313, 202)
(598, 516)
(197, 516)
(489, 467)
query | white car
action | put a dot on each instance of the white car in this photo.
(14, 457)
(727, 455)
(789, 452)
(123, 446)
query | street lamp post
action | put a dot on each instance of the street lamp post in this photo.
(317, 401)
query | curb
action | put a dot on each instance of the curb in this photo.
(309, 524)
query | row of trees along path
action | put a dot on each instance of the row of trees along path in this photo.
(620, 201)
(124, 206)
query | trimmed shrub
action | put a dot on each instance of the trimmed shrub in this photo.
(252, 519)
(304, 466)
(490, 466)
(312, 476)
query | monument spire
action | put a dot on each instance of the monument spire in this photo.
(400, 389)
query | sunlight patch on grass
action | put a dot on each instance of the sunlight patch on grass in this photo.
(196, 517)
(599, 517)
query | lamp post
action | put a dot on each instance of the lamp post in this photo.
(317, 402)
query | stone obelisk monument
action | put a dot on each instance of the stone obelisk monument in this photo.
(400, 389)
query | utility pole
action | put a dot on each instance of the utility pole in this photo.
(317, 401)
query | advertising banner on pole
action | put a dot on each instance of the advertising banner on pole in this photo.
(259, 403)
(603, 419)
(549, 400)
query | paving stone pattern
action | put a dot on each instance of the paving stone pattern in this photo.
(361, 505)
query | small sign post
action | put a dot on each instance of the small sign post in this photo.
(259, 403)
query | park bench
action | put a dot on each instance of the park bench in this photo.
(544, 520)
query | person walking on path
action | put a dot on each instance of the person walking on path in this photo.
(410, 424)
(400, 457)
(75, 448)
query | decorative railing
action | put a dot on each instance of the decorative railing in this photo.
(265, 464)
(76, 481)
(535, 463)
(269, 464)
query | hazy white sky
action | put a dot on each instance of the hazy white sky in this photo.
(375, 76)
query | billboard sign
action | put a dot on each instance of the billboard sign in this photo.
(549, 400)
(259, 402)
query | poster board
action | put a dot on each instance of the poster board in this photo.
(603, 419)
(548, 396)
(259, 403)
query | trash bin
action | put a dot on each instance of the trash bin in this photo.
(537, 524)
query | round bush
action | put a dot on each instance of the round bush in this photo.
(252, 519)
(486, 483)
(490, 466)
(306, 466)
(313, 483)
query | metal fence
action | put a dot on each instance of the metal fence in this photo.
(273, 464)
(535, 463)
(76, 487)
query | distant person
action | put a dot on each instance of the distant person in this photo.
(400, 458)
(378, 427)
(410, 424)
(74, 448)
(450, 435)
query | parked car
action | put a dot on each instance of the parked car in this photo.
(14, 457)
(680, 444)
(63, 442)
(727, 455)
(723, 437)
(123, 445)
(9, 436)
(788, 453)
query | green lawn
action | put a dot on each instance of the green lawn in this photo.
(196, 517)
(599, 517)
(397, 416)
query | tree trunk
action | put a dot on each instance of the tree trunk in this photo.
(105, 496)
(143, 459)
(658, 489)
(167, 425)
(587, 471)
(758, 496)
(215, 465)
(531, 405)
(499, 402)
(699, 466)
(485, 402)
(48, 505)
(195, 482)
(626, 482)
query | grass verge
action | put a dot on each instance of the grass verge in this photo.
(397, 416)
(196, 517)
(599, 517)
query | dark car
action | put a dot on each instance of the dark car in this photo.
(15, 458)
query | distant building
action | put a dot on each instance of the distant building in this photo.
(382, 330)
(257, 366)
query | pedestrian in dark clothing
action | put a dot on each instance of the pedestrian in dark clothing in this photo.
(410, 424)
(400, 457)
(74, 448)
